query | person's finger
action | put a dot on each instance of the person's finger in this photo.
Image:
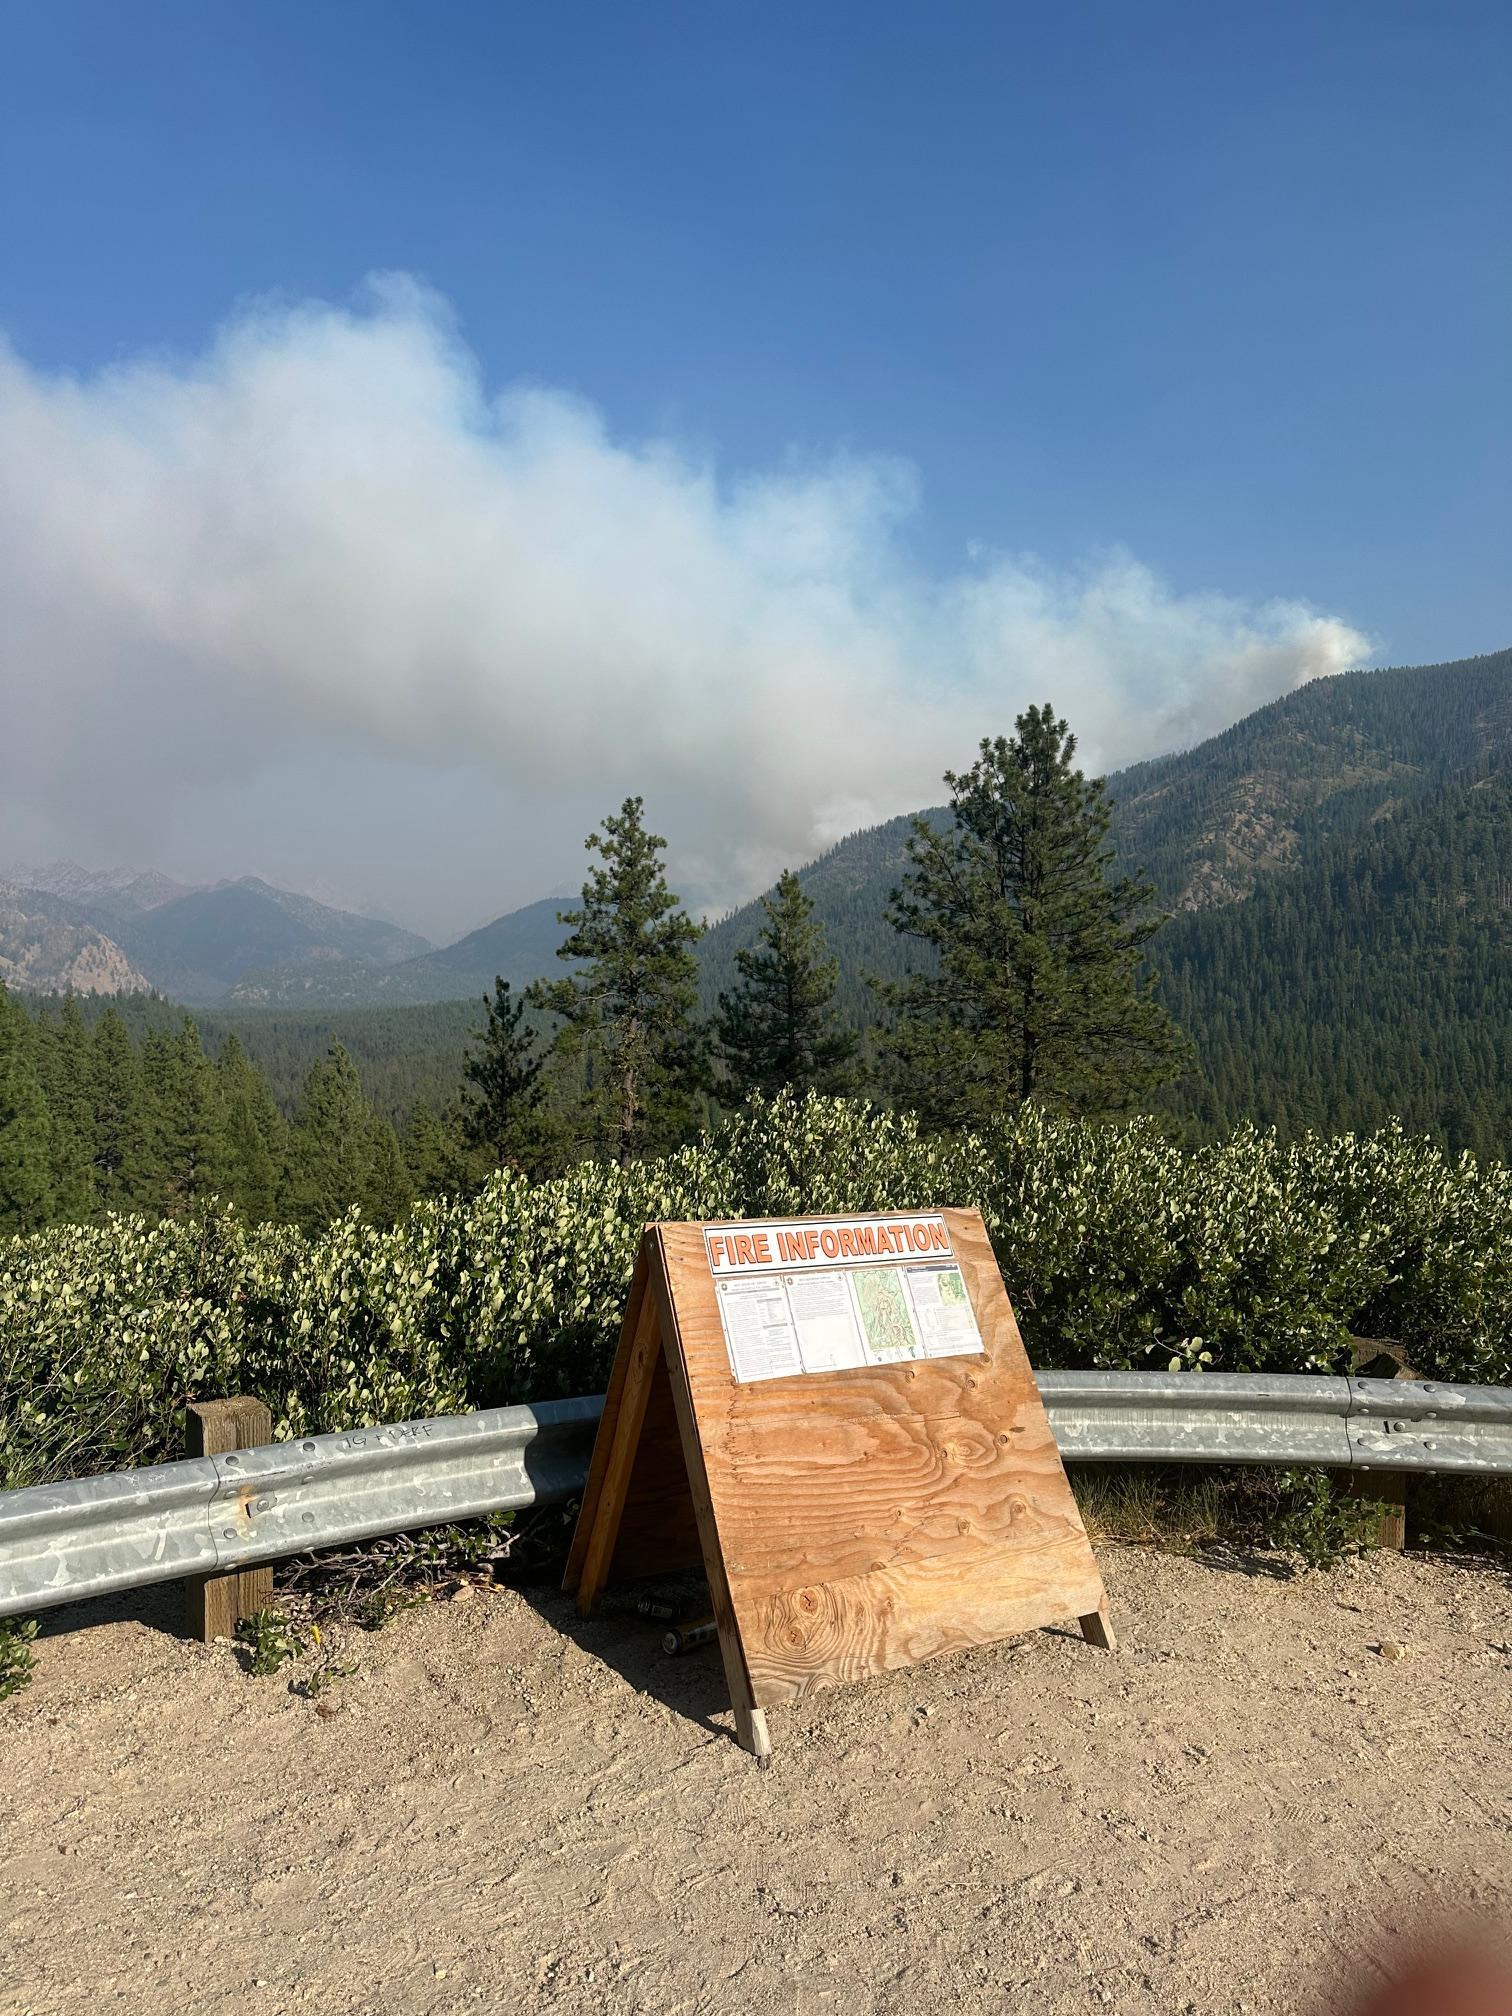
(1464, 1984)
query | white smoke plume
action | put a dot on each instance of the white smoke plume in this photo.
(328, 534)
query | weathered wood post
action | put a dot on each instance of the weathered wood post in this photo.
(216, 1604)
(1387, 1491)
(1380, 1358)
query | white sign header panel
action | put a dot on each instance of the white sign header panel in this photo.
(838, 1294)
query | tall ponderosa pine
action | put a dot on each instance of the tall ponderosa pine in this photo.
(26, 1198)
(436, 1154)
(121, 1163)
(61, 1055)
(331, 1144)
(778, 1028)
(627, 1031)
(388, 1190)
(189, 1160)
(503, 1109)
(254, 1134)
(1038, 991)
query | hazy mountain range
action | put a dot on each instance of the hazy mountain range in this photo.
(63, 926)
(1211, 826)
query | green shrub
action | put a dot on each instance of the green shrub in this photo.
(1315, 1518)
(271, 1642)
(1118, 1249)
(17, 1660)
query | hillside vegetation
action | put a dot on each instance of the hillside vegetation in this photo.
(1209, 825)
(1338, 868)
(1373, 981)
(1117, 1250)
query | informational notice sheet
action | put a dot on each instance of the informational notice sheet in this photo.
(832, 1295)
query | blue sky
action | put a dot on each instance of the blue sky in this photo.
(1228, 288)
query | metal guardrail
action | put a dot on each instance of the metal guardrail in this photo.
(212, 1515)
(215, 1514)
(1263, 1417)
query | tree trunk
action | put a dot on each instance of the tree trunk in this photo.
(629, 1105)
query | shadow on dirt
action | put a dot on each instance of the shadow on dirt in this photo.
(160, 1608)
(691, 1684)
(1253, 1562)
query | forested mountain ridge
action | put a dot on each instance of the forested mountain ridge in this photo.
(518, 947)
(1374, 980)
(1338, 867)
(198, 947)
(1207, 824)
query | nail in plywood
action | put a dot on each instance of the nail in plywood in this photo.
(865, 1463)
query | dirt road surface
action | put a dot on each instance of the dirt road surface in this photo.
(510, 1810)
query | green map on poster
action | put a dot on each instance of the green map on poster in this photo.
(884, 1312)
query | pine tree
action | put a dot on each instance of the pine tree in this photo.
(436, 1154)
(26, 1198)
(119, 1117)
(1038, 991)
(779, 1027)
(388, 1191)
(61, 1058)
(254, 1134)
(189, 1159)
(627, 1024)
(330, 1151)
(502, 1116)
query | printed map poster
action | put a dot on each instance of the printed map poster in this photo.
(839, 1294)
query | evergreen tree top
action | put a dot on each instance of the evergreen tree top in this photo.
(1039, 990)
(629, 926)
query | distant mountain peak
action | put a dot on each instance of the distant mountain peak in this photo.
(141, 930)
(49, 945)
(114, 891)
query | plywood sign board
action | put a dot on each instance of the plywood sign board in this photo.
(837, 1418)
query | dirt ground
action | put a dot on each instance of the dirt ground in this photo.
(1243, 1806)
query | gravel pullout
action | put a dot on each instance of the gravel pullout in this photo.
(510, 1810)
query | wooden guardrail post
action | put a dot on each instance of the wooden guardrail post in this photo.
(1387, 1491)
(1380, 1358)
(216, 1604)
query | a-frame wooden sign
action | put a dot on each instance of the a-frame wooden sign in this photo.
(836, 1417)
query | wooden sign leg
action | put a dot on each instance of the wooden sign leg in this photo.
(645, 1349)
(1097, 1628)
(751, 1734)
(750, 1721)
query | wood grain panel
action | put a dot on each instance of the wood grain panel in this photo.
(850, 1522)
(872, 1518)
